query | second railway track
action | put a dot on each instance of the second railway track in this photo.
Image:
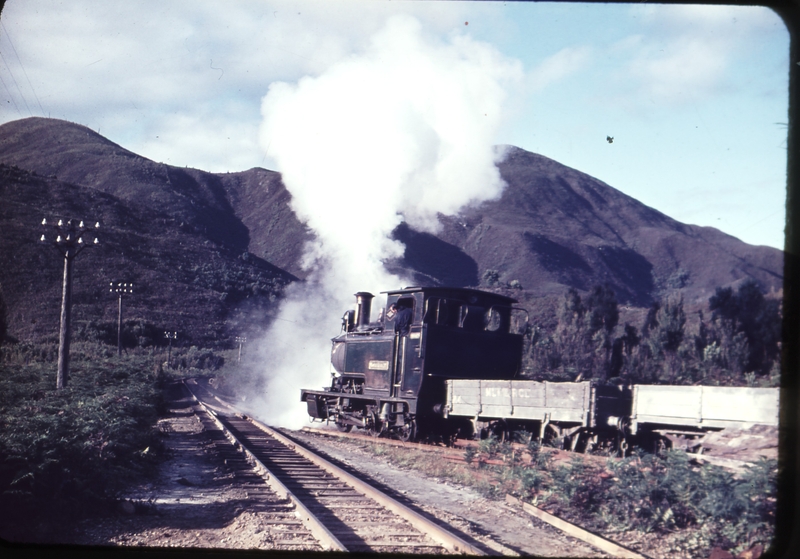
(343, 512)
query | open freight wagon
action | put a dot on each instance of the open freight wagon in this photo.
(577, 412)
(567, 410)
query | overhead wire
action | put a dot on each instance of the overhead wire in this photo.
(11, 97)
(3, 58)
(21, 65)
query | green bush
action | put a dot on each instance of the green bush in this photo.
(665, 493)
(72, 451)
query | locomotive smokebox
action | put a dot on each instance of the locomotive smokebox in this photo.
(363, 308)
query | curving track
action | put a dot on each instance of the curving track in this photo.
(341, 512)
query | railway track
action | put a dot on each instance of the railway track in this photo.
(319, 501)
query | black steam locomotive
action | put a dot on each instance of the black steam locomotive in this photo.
(391, 374)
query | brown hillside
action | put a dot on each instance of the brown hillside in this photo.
(555, 227)
(207, 246)
(207, 292)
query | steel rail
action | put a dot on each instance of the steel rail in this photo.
(612, 548)
(327, 540)
(442, 536)
(445, 538)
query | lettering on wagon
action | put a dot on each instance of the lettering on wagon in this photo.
(495, 391)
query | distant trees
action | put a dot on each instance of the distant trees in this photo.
(749, 314)
(491, 278)
(740, 344)
(581, 346)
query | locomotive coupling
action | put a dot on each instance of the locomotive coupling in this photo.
(621, 424)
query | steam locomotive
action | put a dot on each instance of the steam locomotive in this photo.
(388, 382)
(443, 362)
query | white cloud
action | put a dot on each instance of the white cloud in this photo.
(685, 69)
(554, 68)
(190, 62)
(689, 52)
(707, 18)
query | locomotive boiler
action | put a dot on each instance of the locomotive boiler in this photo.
(391, 380)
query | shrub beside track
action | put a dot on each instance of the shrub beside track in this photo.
(70, 452)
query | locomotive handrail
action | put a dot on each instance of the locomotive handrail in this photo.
(397, 342)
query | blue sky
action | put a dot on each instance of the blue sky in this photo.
(695, 97)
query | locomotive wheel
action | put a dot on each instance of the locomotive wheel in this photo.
(343, 427)
(407, 432)
(374, 428)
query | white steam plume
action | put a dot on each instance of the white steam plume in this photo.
(400, 132)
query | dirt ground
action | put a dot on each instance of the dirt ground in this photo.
(197, 503)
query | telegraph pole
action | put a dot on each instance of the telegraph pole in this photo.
(241, 340)
(69, 242)
(120, 288)
(170, 336)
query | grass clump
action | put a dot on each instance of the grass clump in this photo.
(694, 507)
(70, 452)
(663, 494)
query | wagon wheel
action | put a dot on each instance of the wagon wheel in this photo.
(500, 430)
(590, 442)
(374, 427)
(344, 427)
(407, 432)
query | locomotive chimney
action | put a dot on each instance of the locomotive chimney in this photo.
(363, 308)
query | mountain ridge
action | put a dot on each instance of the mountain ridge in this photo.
(552, 228)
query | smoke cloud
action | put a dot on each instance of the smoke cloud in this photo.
(399, 132)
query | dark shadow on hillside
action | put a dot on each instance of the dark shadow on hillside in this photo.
(444, 263)
(632, 271)
(215, 217)
(567, 265)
